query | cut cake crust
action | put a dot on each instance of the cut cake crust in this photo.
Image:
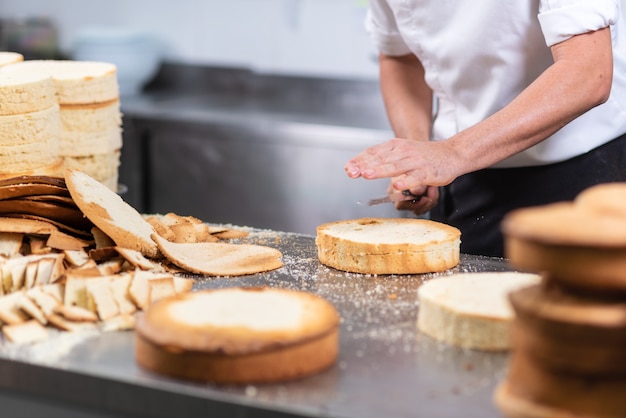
(106, 209)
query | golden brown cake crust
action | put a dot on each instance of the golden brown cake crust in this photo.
(532, 391)
(570, 333)
(566, 223)
(276, 365)
(516, 407)
(109, 212)
(580, 244)
(220, 259)
(157, 324)
(235, 352)
(585, 268)
(388, 245)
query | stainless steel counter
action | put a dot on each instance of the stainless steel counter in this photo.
(386, 368)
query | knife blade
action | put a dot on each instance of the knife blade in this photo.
(386, 199)
(376, 201)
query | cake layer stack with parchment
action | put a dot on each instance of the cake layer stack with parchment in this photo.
(91, 122)
(29, 125)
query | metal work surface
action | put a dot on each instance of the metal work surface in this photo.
(386, 368)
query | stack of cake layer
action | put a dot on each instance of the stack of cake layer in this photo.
(88, 97)
(7, 57)
(569, 332)
(29, 126)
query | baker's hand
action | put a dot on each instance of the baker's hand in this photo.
(412, 164)
(417, 201)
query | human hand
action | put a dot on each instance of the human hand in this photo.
(417, 202)
(412, 165)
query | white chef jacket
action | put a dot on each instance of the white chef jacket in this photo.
(478, 55)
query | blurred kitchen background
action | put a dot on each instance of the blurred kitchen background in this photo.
(235, 111)
(312, 37)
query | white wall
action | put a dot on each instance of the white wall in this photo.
(320, 37)
(324, 37)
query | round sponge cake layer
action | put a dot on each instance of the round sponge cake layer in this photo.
(579, 244)
(30, 140)
(76, 82)
(55, 169)
(7, 57)
(238, 335)
(30, 128)
(99, 166)
(16, 158)
(471, 310)
(388, 245)
(84, 144)
(92, 117)
(25, 92)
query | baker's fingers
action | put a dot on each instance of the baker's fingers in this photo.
(413, 163)
(399, 195)
(414, 193)
(420, 204)
(388, 159)
(413, 180)
(362, 161)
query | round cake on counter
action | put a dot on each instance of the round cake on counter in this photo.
(238, 335)
(388, 245)
(471, 310)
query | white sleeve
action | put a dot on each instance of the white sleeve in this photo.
(380, 23)
(562, 19)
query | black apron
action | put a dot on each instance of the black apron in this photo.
(477, 202)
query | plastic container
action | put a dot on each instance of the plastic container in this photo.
(136, 54)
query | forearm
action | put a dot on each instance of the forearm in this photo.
(407, 98)
(579, 80)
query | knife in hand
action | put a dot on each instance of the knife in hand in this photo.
(386, 199)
